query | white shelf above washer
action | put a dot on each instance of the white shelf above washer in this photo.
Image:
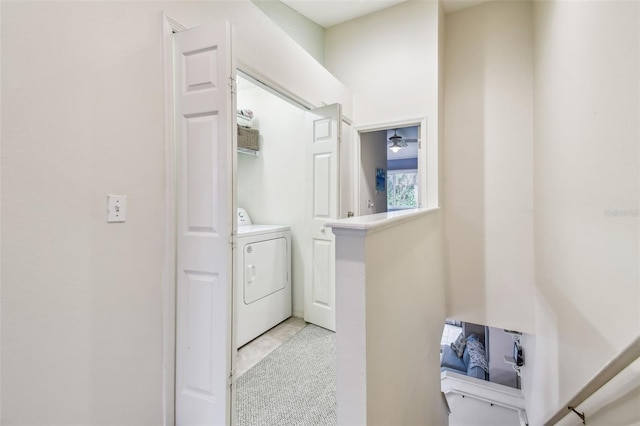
(248, 151)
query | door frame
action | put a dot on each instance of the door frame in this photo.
(427, 161)
(169, 217)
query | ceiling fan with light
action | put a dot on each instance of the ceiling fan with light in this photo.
(396, 143)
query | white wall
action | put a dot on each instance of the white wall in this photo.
(488, 159)
(389, 59)
(82, 116)
(271, 186)
(303, 30)
(623, 411)
(405, 313)
(390, 311)
(586, 168)
(473, 412)
(615, 403)
(373, 155)
(441, 90)
(583, 307)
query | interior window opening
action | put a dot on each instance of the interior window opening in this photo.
(389, 172)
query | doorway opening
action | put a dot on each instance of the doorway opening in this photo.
(389, 172)
(472, 355)
(201, 207)
(273, 256)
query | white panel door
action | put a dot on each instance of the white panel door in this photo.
(323, 192)
(203, 69)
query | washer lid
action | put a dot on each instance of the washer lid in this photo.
(251, 230)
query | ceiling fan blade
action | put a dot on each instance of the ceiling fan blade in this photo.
(411, 140)
(402, 143)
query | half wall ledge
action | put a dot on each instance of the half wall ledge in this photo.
(390, 307)
(370, 224)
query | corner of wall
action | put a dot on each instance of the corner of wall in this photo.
(586, 257)
(488, 163)
(308, 34)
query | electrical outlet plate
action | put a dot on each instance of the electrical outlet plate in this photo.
(116, 208)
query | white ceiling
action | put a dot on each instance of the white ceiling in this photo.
(328, 13)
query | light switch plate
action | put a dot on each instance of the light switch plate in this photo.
(116, 208)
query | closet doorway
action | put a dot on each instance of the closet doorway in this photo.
(287, 187)
(290, 176)
(201, 205)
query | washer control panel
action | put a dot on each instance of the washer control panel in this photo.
(243, 217)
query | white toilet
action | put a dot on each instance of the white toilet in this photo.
(263, 293)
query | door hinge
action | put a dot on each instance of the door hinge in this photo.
(233, 84)
(232, 241)
(232, 373)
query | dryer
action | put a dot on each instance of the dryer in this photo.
(263, 287)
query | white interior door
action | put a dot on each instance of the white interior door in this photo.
(323, 199)
(203, 68)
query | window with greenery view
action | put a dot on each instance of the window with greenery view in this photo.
(402, 189)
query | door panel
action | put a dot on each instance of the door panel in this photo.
(199, 380)
(323, 251)
(323, 188)
(322, 185)
(202, 58)
(202, 188)
(265, 268)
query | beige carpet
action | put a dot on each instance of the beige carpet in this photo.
(293, 385)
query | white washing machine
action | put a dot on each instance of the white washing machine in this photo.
(263, 293)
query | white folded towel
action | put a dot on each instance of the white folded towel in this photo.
(244, 121)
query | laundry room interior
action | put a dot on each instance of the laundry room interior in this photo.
(269, 187)
(272, 190)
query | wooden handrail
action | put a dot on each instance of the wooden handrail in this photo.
(608, 372)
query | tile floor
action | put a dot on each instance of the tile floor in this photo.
(251, 353)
